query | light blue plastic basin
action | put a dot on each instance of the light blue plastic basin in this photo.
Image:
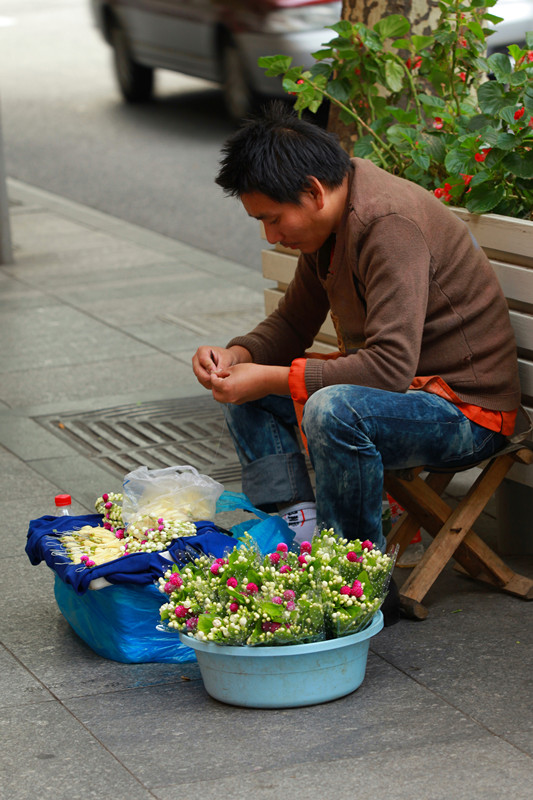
(286, 676)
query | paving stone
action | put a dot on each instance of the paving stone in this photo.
(49, 754)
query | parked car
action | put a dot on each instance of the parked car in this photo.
(219, 40)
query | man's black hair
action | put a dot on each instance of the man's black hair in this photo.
(275, 153)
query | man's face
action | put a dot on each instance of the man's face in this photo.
(301, 226)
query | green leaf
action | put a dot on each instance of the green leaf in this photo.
(320, 54)
(420, 42)
(393, 25)
(420, 159)
(275, 65)
(477, 122)
(431, 101)
(406, 117)
(491, 98)
(458, 161)
(492, 18)
(340, 90)
(518, 78)
(394, 76)
(508, 113)
(519, 165)
(205, 622)
(476, 29)
(506, 141)
(481, 200)
(479, 178)
(500, 65)
(343, 28)
(363, 147)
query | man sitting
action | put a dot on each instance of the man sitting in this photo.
(427, 370)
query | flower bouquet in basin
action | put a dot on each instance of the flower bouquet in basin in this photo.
(331, 588)
(282, 630)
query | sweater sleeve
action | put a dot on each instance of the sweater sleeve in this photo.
(290, 330)
(394, 269)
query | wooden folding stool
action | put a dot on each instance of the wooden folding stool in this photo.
(451, 529)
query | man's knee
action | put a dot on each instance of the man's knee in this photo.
(324, 412)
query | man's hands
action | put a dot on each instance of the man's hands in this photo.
(208, 360)
(233, 378)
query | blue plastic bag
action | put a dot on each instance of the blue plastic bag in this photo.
(121, 623)
(267, 531)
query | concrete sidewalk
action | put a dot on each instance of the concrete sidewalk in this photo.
(97, 315)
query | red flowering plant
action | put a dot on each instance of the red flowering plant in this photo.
(433, 109)
(330, 587)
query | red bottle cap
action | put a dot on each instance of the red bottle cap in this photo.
(63, 499)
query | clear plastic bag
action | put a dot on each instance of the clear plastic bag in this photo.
(175, 493)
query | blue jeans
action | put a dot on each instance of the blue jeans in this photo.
(353, 434)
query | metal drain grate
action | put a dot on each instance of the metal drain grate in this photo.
(156, 434)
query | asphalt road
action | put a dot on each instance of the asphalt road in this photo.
(66, 130)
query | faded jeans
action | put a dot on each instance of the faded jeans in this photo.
(353, 433)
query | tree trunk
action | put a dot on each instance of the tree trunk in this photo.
(422, 15)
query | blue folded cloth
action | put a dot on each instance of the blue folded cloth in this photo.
(139, 568)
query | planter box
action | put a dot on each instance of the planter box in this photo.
(508, 243)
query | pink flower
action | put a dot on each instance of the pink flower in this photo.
(305, 547)
(105, 497)
(346, 590)
(282, 547)
(176, 579)
(108, 505)
(119, 533)
(357, 589)
(285, 568)
(367, 544)
(291, 605)
(270, 626)
(438, 123)
(288, 594)
(161, 528)
(277, 600)
(181, 611)
(274, 558)
(83, 559)
(220, 561)
(351, 556)
(252, 588)
(233, 582)
(214, 568)
(233, 607)
(90, 563)
(302, 560)
(168, 587)
(160, 521)
(192, 622)
(143, 541)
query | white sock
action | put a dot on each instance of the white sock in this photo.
(301, 519)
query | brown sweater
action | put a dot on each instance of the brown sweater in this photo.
(411, 294)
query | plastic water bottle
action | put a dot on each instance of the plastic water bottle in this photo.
(63, 505)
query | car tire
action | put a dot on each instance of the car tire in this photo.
(136, 82)
(239, 97)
